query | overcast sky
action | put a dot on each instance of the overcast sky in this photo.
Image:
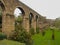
(48, 8)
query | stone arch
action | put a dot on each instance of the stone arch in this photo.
(20, 16)
(31, 16)
(22, 12)
(37, 20)
(9, 19)
(37, 17)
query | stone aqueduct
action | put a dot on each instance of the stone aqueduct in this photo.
(8, 19)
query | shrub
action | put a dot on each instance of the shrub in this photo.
(20, 33)
(37, 30)
(2, 36)
(43, 33)
(32, 31)
(21, 36)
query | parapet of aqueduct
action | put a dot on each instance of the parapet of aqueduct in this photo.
(8, 19)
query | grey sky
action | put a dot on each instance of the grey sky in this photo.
(48, 8)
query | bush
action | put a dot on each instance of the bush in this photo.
(37, 30)
(32, 31)
(2, 36)
(20, 33)
(21, 36)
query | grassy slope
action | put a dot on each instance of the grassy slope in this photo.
(47, 39)
(9, 42)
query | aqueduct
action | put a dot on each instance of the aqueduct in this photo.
(8, 19)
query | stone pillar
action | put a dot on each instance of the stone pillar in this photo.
(34, 24)
(26, 23)
(3, 22)
(8, 24)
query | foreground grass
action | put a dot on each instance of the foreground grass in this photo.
(39, 39)
(9, 42)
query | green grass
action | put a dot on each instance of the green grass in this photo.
(9, 42)
(38, 39)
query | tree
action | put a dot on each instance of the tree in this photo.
(20, 33)
(57, 22)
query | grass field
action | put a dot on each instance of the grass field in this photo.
(38, 39)
(9, 42)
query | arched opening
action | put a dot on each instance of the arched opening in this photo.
(36, 18)
(37, 23)
(19, 12)
(19, 16)
(30, 19)
(2, 8)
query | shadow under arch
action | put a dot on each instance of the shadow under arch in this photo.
(22, 11)
(30, 19)
(2, 6)
(37, 17)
